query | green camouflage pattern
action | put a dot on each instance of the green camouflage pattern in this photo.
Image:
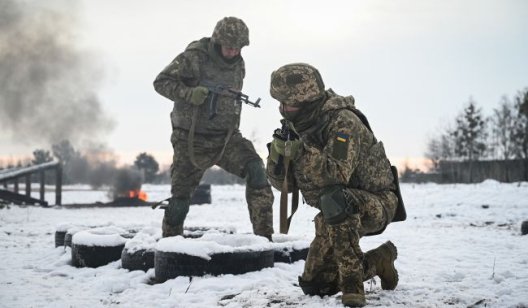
(364, 167)
(296, 83)
(344, 153)
(201, 62)
(185, 177)
(231, 32)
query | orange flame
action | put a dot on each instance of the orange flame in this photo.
(137, 194)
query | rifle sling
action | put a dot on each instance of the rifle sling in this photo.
(190, 142)
(284, 219)
(295, 204)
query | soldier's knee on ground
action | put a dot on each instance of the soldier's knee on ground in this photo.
(318, 288)
(177, 210)
(334, 206)
(256, 174)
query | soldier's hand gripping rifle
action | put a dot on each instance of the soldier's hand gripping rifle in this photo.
(219, 89)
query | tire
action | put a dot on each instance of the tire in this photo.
(524, 227)
(196, 232)
(97, 247)
(60, 233)
(138, 253)
(141, 260)
(169, 265)
(202, 194)
(289, 249)
(289, 256)
(59, 238)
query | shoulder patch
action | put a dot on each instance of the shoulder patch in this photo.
(342, 137)
(340, 150)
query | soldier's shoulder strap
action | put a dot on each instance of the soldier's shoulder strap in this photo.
(361, 117)
(200, 45)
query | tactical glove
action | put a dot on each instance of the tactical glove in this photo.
(285, 148)
(198, 95)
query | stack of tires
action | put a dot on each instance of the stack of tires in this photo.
(98, 246)
(201, 251)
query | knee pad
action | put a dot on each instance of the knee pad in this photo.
(177, 210)
(256, 175)
(334, 206)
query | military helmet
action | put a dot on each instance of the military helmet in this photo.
(231, 32)
(296, 83)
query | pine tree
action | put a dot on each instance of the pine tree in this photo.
(470, 133)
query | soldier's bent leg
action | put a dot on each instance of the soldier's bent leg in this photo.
(343, 224)
(320, 271)
(175, 216)
(259, 198)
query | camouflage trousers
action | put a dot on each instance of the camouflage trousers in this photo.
(185, 177)
(335, 260)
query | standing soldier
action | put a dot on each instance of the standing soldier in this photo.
(199, 141)
(341, 169)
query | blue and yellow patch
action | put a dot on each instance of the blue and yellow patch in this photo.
(340, 150)
(342, 137)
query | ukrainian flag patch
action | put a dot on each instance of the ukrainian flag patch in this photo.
(342, 137)
(340, 150)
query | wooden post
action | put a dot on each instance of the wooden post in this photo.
(16, 185)
(58, 185)
(42, 180)
(28, 185)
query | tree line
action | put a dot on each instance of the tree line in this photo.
(98, 167)
(472, 136)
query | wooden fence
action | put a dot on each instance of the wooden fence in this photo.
(10, 179)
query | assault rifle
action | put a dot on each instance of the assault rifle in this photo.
(220, 89)
(284, 133)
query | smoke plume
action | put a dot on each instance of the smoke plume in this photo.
(48, 85)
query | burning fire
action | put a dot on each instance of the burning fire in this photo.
(137, 194)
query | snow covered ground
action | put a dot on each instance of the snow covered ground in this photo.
(460, 246)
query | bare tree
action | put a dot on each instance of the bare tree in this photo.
(41, 156)
(440, 148)
(503, 122)
(520, 134)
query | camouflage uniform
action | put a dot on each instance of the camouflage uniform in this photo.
(214, 141)
(339, 160)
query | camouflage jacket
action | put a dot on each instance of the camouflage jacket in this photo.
(200, 62)
(341, 150)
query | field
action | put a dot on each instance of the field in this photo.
(461, 246)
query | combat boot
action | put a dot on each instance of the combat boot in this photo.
(353, 291)
(168, 230)
(380, 262)
(353, 299)
(174, 217)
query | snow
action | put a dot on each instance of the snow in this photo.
(214, 243)
(145, 239)
(460, 246)
(104, 237)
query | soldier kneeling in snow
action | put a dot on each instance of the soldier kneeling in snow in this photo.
(341, 169)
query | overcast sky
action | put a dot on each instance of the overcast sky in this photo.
(411, 65)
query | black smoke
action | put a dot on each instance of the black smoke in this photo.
(48, 84)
